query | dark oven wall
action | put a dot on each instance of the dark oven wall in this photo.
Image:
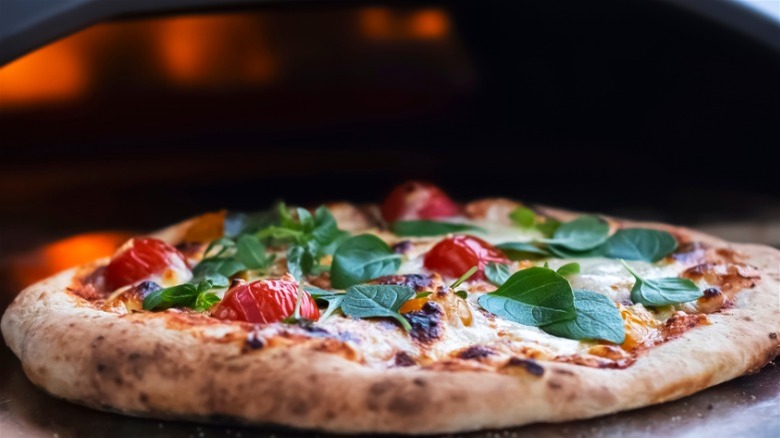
(633, 108)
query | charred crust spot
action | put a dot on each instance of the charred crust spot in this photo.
(145, 288)
(773, 335)
(404, 359)
(100, 368)
(417, 282)
(426, 322)
(554, 385)
(402, 247)
(712, 292)
(419, 382)
(529, 365)
(690, 252)
(143, 398)
(404, 404)
(253, 342)
(379, 388)
(475, 352)
(562, 371)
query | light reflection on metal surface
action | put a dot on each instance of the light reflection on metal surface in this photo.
(63, 254)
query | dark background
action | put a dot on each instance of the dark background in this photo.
(634, 108)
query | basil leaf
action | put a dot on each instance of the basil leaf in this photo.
(362, 258)
(300, 260)
(497, 273)
(597, 318)
(533, 296)
(367, 301)
(224, 244)
(332, 297)
(251, 252)
(564, 253)
(462, 294)
(218, 265)
(305, 220)
(639, 244)
(569, 269)
(243, 223)
(205, 300)
(325, 228)
(180, 295)
(580, 234)
(210, 281)
(523, 217)
(548, 227)
(422, 294)
(425, 228)
(522, 250)
(662, 291)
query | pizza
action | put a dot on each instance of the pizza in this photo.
(419, 315)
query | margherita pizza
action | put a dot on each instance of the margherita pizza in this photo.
(421, 315)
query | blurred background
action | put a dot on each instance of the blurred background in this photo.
(636, 108)
(661, 110)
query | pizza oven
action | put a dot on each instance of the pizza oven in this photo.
(118, 117)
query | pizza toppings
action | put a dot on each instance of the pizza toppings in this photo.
(454, 256)
(508, 308)
(266, 301)
(144, 258)
(418, 200)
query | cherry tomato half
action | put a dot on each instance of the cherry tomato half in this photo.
(418, 200)
(141, 258)
(455, 255)
(265, 301)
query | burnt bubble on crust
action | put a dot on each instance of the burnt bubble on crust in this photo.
(417, 282)
(426, 322)
(529, 365)
(404, 359)
(146, 287)
(475, 352)
(402, 247)
(253, 342)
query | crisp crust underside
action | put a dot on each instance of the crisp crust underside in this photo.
(142, 367)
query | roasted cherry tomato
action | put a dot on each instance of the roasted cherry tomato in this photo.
(141, 258)
(265, 301)
(455, 255)
(418, 200)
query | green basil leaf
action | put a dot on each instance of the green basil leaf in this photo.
(332, 297)
(497, 273)
(533, 296)
(180, 295)
(425, 228)
(224, 244)
(580, 234)
(205, 300)
(251, 253)
(227, 267)
(422, 294)
(243, 223)
(662, 291)
(370, 300)
(522, 250)
(548, 227)
(210, 281)
(305, 220)
(597, 318)
(564, 253)
(639, 244)
(325, 228)
(361, 258)
(462, 294)
(300, 260)
(569, 269)
(523, 217)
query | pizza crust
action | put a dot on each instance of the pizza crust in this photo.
(140, 365)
